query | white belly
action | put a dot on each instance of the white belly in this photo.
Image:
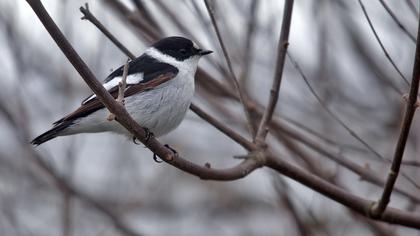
(160, 110)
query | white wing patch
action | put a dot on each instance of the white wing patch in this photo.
(131, 79)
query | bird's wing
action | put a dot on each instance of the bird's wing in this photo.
(140, 70)
(144, 74)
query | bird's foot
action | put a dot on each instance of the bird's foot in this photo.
(158, 160)
(147, 137)
(135, 140)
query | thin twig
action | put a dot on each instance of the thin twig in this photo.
(411, 163)
(121, 89)
(320, 136)
(283, 43)
(283, 193)
(381, 44)
(87, 15)
(330, 112)
(342, 123)
(145, 29)
(249, 39)
(145, 13)
(413, 8)
(123, 83)
(397, 21)
(378, 209)
(239, 89)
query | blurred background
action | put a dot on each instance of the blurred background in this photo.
(103, 184)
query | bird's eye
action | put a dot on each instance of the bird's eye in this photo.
(183, 51)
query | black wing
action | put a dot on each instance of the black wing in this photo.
(148, 67)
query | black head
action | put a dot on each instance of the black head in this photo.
(178, 47)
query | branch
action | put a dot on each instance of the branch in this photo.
(241, 93)
(242, 169)
(365, 174)
(413, 8)
(330, 112)
(380, 43)
(121, 89)
(342, 123)
(397, 21)
(378, 209)
(123, 84)
(145, 29)
(87, 15)
(360, 205)
(281, 56)
(249, 40)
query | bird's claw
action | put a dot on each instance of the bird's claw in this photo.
(172, 150)
(135, 140)
(156, 158)
(147, 137)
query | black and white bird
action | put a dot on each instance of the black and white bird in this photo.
(159, 90)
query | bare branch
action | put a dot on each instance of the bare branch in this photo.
(123, 84)
(239, 89)
(248, 52)
(144, 28)
(331, 113)
(347, 162)
(141, 8)
(121, 89)
(413, 8)
(356, 203)
(87, 15)
(397, 21)
(259, 138)
(381, 44)
(342, 123)
(378, 209)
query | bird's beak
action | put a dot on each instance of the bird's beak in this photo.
(203, 52)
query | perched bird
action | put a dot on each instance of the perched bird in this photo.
(159, 90)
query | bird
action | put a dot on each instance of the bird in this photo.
(159, 91)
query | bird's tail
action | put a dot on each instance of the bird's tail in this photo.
(50, 134)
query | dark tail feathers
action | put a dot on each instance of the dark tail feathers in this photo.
(50, 134)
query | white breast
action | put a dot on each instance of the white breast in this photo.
(161, 110)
